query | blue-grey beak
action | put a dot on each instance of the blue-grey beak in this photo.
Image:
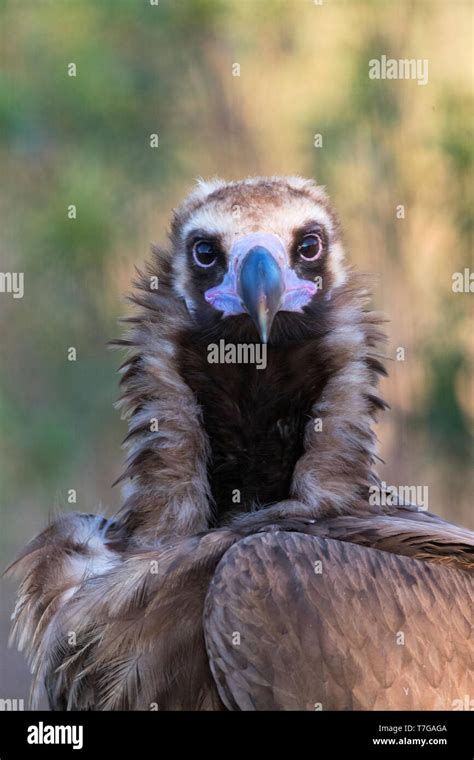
(261, 287)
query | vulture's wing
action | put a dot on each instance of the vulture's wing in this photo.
(302, 622)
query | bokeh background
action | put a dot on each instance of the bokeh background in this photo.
(168, 69)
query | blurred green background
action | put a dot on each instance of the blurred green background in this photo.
(167, 69)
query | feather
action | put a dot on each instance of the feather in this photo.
(281, 636)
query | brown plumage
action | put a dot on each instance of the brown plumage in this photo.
(362, 633)
(233, 493)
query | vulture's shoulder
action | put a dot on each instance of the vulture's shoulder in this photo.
(297, 621)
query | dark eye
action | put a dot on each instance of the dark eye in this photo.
(310, 248)
(204, 253)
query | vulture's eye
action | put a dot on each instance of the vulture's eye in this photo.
(204, 253)
(310, 247)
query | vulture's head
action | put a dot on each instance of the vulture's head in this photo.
(252, 262)
(251, 256)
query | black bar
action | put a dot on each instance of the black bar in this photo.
(316, 734)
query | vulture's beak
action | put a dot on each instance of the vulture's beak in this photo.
(260, 282)
(261, 287)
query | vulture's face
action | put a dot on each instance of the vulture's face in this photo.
(249, 254)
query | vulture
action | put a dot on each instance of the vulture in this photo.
(256, 562)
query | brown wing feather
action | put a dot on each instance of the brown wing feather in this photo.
(407, 531)
(112, 626)
(371, 630)
(123, 635)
